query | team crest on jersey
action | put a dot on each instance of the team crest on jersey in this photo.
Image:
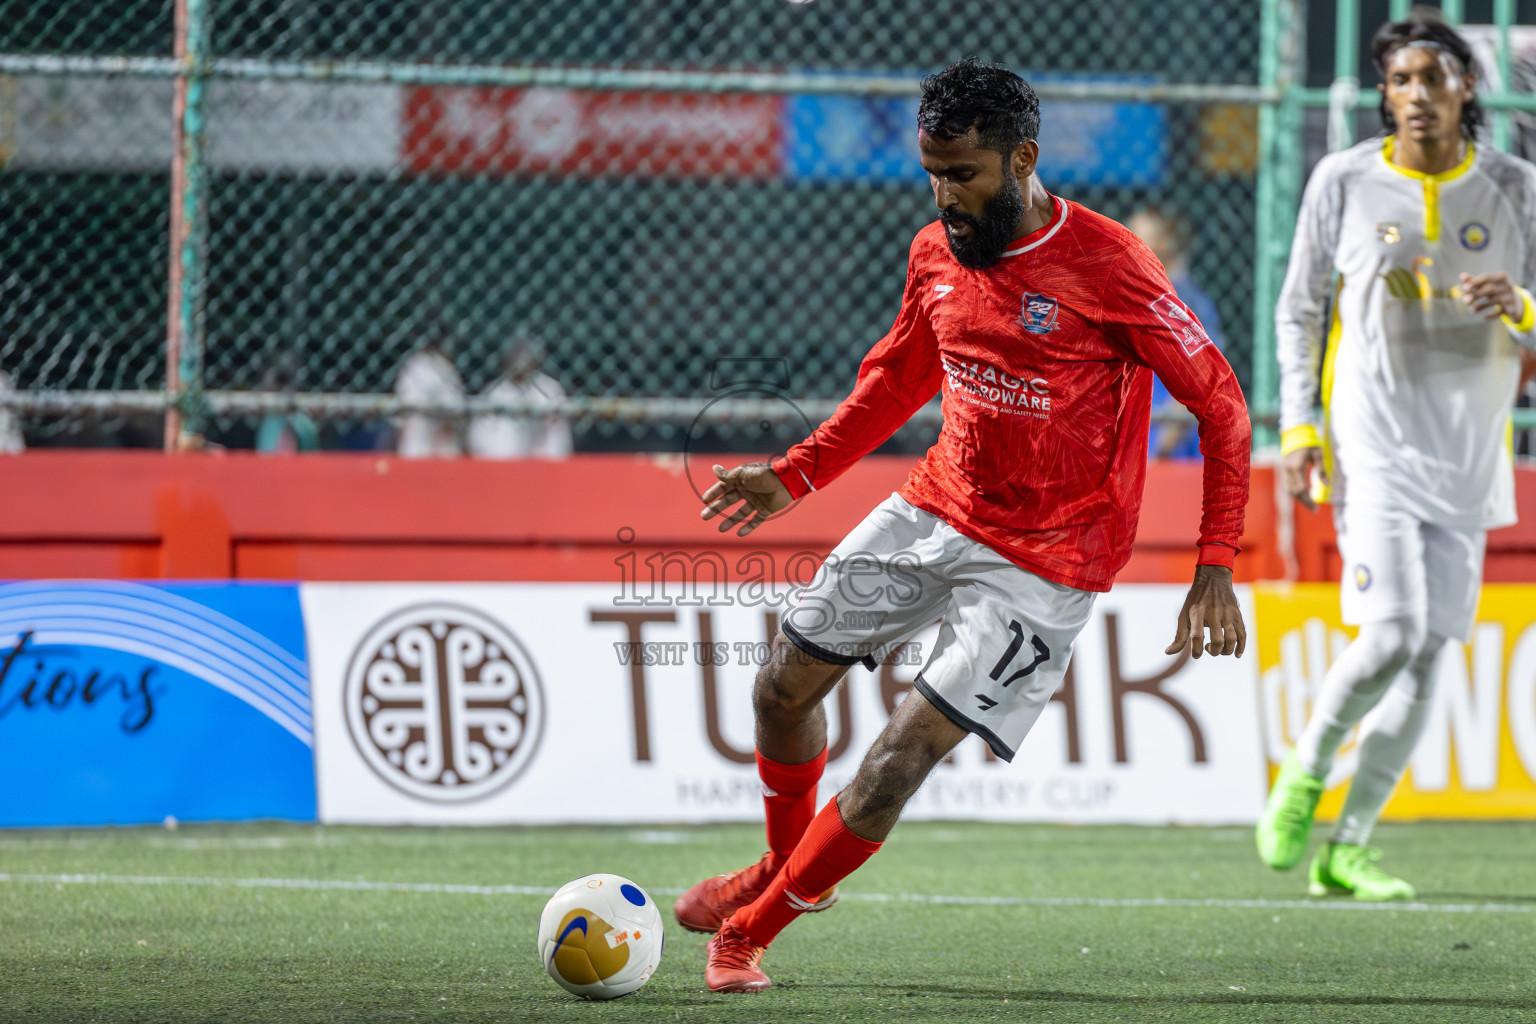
(1039, 313)
(1474, 235)
(1362, 577)
(1389, 233)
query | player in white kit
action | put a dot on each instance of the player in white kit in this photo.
(1424, 244)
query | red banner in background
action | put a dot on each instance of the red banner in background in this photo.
(592, 134)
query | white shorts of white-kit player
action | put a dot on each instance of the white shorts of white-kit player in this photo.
(1005, 634)
(1398, 566)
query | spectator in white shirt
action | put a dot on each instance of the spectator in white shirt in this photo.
(428, 375)
(498, 436)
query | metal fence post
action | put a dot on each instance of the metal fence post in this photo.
(1344, 93)
(189, 207)
(1503, 14)
(1278, 193)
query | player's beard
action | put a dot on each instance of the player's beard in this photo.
(992, 231)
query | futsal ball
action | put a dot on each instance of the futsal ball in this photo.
(600, 936)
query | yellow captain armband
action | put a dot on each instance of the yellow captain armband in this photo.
(1303, 436)
(1527, 317)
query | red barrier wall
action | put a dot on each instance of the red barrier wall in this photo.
(344, 516)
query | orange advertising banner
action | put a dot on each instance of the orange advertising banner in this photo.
(1477, 758)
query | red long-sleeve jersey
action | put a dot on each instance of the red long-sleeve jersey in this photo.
(1046, 361)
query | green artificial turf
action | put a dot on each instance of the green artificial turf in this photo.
(149, 925)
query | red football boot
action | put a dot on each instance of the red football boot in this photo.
(733, 963)
(706, 906)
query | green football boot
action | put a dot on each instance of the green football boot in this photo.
(1286, 823)
(1341, 869)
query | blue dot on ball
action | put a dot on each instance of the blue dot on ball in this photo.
(633, 894)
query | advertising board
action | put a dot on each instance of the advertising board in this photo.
(1477, 757)
(125, 703)
(494, 703)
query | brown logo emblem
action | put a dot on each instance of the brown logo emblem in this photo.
(444, 703)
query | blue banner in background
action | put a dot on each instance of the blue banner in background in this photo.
(874, 138)
(851, 138)
(124, 703)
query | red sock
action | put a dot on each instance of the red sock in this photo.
(789, 796)
(828, 854)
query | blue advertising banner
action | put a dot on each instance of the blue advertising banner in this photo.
(874, 138)
(125, 703)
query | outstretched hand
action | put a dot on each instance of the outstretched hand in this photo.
(1211, 603)
(755, 486)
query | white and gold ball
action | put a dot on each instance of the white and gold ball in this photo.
(600, 936)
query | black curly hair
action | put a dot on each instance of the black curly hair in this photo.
(1425, 25)
(997, 103)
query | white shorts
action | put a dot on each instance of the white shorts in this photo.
(1398, 566)
(1005, 634)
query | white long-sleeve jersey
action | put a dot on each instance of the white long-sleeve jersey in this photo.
(1417, 389)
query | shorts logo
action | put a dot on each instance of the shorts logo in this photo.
(1389, 233)
(1474, 235)
(862, 621)
(1039, 313)
(1185, 328)
(1362, 577)
(444, 703)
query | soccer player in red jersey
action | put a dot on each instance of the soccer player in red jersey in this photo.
(1041, 323)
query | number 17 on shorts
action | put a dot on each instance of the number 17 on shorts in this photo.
(1000, 657)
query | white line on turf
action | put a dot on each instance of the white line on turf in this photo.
(1111, 902)
(345, 884)
(659, 837)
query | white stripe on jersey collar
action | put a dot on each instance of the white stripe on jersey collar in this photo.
(1062, 207)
